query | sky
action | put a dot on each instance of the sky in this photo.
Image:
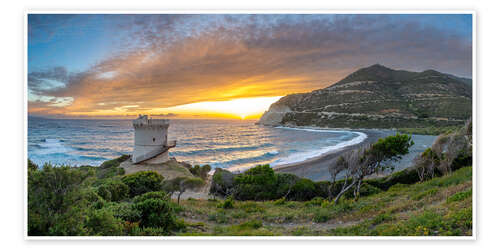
(221, 66)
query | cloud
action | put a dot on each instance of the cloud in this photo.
(179, 59)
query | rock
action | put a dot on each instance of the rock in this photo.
(274, 115)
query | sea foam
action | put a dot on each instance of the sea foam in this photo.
(302, 156)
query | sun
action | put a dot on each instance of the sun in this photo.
(242, 108)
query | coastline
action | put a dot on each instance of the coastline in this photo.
(316, 168)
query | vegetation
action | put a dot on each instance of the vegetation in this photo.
(181, 184)
(366, 161)
(65, 200)
(143, 182)
(379, 97)
(441, 207)
(429, 130)
(198, 171)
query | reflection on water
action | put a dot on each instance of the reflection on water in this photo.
(221, 143)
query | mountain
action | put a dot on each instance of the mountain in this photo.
(378, 97)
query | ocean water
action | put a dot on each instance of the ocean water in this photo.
(231, 144)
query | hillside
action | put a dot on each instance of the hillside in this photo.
(438, 207)
(379, 97)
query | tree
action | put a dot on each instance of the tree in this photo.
(340, 165)
(181, 184)
(369, 160)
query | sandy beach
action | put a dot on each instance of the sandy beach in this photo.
(316, 168)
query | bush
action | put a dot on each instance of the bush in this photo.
(303, 190)
(114, 162)
(111, 168)
(227, 203)
(258, 183)
(285, 182)
(321, 216)
(113, 190)
(316, 201)
(322, 188)
(58, 200)
(222, 182)
(32, 166)
(460, 196)
(142, 182)
(151, 195)
(102, 222)
(156, 213)
(125, 211)
(147, 231)
(406, 176)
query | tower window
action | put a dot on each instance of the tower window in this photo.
(153, 139)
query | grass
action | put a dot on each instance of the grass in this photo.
(429, 130)
(441, 206)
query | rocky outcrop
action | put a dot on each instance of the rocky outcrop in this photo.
(274, 115)
(378, 97)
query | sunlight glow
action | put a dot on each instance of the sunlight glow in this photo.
(242, 108)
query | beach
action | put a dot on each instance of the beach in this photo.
(316, 168)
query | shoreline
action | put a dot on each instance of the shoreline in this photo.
(316, 168)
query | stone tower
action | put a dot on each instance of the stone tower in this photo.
(151, 140)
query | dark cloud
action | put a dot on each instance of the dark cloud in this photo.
(180, 59)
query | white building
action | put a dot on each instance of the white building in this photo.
(151, 140)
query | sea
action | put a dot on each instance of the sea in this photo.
(232, 144)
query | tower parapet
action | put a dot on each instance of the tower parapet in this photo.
(151, 139)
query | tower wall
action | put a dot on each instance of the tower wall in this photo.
(150, 138)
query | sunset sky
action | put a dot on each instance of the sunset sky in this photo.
(212, 65)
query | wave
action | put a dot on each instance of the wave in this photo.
(316, 130)
(249, 160)
(51, 146)
(222, 150)
(302, 156)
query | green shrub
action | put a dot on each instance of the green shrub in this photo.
(147, 231)
(285, 182)
(406, 176)
(316, 201)
(303, 190)
(58, 200)
(460, 196)
(156, 213)
(218, 217)
(252, 224)
(103, 222)
(322, 188)
(151, 195)
(32, 166)
(125, 211)
(321, 216)
(381, 218)
(142, 182)
(280, 201)
(222, 182)
(227, 203)
(258, 183)
(113, 190)
(114, 162)
(420, 195)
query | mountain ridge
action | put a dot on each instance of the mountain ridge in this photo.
(378, 97)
